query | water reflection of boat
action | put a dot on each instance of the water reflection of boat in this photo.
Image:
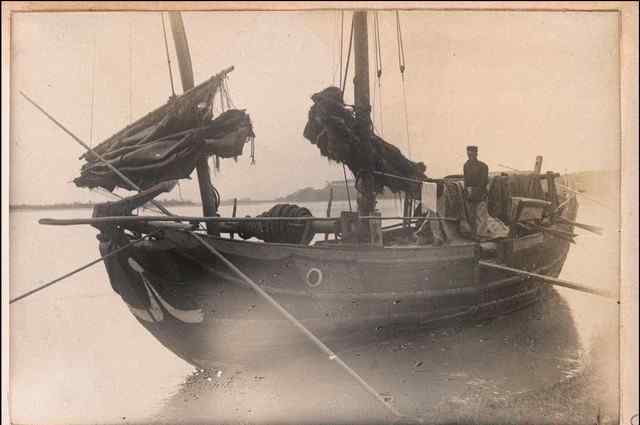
(362, 279)
(440, 373)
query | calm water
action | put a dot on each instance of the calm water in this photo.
(78, 355)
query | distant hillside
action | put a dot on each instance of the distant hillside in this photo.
(310, 194)
(602, 184)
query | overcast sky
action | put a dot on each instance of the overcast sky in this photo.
(517, 84)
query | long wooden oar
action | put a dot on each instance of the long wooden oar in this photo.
(551, 280)
(197, 219)
(100, 157)
(79, 269)
(567, 188)
(589, 227)
(297, 324)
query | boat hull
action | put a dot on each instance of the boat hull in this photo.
(197, 308)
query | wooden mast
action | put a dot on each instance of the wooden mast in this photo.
(207, 192)
(365, 179)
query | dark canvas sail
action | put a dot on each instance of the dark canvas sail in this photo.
(332, 128)
(166, 143)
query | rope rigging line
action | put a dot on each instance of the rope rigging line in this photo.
(227, 93)
(341, 44)
(93, 89)
(114, 196)
(378, 57)
(401, 63)
(342, 87)
(335, 46)
(346, 185)
(346, 68)
(130, 116)
(372, 52)
(93, 152)
(166, 47)
(222, 98)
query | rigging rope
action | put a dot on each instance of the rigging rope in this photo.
(130, 71)
(335, 45)
(227, 93)
(401, 63)
(341, 44)
(346, 185)
(166, 47)
(342, 87)
(221, 95)
(400, 43)
(93, 89)
(378, 69)
(346, 68)
(114, 196)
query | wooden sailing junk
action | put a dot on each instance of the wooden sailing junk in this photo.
(365, 281)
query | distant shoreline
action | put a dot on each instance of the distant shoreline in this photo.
(595, 182)
(89, 205)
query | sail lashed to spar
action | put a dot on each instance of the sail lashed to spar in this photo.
(166, 143)
(332, 127)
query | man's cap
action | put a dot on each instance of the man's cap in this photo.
(472, 148)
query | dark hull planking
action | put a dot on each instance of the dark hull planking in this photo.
(203, 313)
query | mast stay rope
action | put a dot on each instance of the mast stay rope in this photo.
(401, 63)
(130, 110)
(346, 68)
(166, 47)
(93, 88)
(378, 60)
(341, 45)
(343, 83)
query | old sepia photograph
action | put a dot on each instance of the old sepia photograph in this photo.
(333, 213)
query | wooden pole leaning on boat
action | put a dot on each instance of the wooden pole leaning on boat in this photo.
(100, 157)
(326, 235)
(602, 204)
(550, 280)
(297, 324)
(79, 269)
(593, 229)
(177, 218)
(232, 235)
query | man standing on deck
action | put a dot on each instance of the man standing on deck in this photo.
(476, 178)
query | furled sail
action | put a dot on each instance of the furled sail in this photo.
(166, 143)
(332, 127)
